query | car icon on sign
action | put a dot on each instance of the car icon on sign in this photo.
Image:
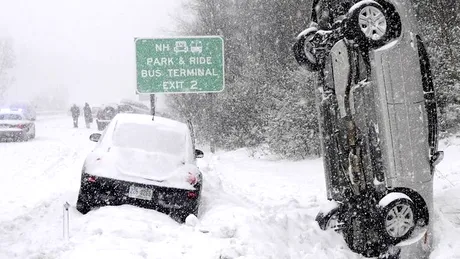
(181, 46)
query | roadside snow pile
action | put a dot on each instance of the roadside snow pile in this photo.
(267, 208)
(447, 201)
(251, 208)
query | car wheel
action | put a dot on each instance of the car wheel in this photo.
(304, 50)
(328, 220)
(99, 126)
(25, 137)
(83, 205)
(398, 220)
(372, 25)
(32, 136)
(181, 215)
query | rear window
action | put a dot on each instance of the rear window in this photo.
(150, 138)
(10, 117)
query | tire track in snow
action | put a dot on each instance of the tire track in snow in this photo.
(263, 226)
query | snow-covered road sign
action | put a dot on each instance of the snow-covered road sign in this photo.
(180, 65)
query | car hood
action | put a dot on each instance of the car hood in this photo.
(143, 167)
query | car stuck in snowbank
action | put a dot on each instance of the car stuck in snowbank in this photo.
(146, 162)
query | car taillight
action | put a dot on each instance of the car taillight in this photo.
(192, 195)
(192, 179)
(21, 126)
(91, 179)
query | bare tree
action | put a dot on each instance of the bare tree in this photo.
(6, 63)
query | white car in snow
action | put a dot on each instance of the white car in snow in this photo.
(15, 125)
(144, 161)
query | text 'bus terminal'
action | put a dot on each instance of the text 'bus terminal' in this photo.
(178, 72)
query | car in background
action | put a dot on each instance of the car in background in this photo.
(27, 109)
(108, 112)
(131, 106)
(143, 162)
(15, 125)
(95, 110)
(105, 115)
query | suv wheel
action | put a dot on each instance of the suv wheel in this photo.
(304, 50)
(328, 220)
(32, 136)
(372, 25)
(398, 220)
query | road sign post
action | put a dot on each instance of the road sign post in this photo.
(180, 65)
(152, 104)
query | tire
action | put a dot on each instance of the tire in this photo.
(372, 25)
(25, 137)
(398, 220)
(329, 220)
(100, 127)
(32, 136)
(181, 215)
(83, 205)
(303, 50)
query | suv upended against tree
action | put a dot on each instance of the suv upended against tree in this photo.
(378, 124)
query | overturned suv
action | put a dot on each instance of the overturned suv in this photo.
(378, 123)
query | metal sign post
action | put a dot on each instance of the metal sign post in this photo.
(65, 226)
(152, 104)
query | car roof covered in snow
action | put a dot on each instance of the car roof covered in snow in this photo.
(11, 111)
(113, 105)
(147, 120)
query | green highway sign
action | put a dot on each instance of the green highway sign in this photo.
(180, 65)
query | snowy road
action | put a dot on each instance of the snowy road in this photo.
(251, 208)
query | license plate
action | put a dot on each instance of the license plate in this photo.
(140, 193)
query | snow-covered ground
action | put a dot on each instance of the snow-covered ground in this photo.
(251, 207)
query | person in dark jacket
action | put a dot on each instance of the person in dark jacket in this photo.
(88, 115)
(75, 110)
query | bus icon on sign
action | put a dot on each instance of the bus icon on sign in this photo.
(181, 46)
(196, 46)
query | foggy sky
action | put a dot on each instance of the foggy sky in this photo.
(82, 48)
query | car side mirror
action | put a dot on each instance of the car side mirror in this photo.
(436, 158)
(95, 137)
(199, 153)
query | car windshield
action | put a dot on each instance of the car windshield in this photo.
(150, 138)
(10, 117)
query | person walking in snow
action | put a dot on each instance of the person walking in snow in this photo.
(75, 110)
(88, 115)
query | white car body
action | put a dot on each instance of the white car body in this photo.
(138, 149)
(15, 125)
